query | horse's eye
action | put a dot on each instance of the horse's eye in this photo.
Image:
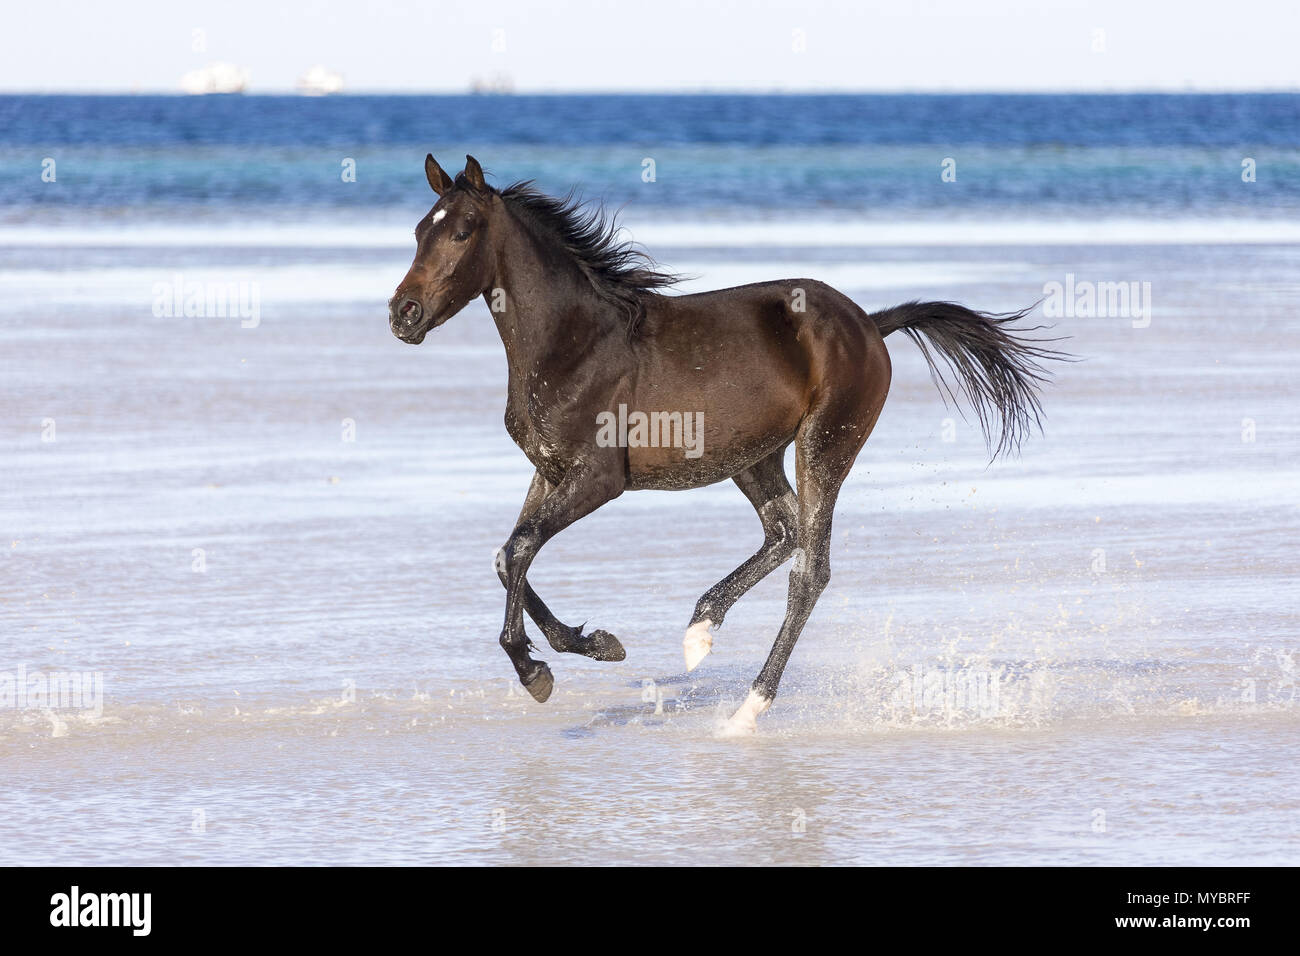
(460, 237)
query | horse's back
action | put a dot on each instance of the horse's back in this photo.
(750, 362)
(788, 329)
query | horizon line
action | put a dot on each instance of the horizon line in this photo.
(684, 91)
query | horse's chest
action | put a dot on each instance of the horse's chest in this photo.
(533, 429)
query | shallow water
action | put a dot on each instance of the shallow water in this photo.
(1085, 655)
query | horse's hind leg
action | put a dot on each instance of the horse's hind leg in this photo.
(828, 441)
(598, 645)
(767, 489)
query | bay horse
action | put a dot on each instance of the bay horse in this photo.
(588, 335)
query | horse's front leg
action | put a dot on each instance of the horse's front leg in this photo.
(598, 645)
(590, 483)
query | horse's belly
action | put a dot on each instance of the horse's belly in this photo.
(704, 457)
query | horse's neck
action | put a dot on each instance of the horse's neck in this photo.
(545, 309)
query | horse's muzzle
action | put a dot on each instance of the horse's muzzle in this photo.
(406, 319)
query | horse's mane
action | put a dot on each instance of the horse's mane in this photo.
(620, 273)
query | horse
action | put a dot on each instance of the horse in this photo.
(589, 334)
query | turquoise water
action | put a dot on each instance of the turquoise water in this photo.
(240, 157)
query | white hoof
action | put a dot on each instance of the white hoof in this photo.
(697, 643)
(744, 722)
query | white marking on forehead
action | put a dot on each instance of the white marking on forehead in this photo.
(437, 216)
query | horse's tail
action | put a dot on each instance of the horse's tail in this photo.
(998, 369)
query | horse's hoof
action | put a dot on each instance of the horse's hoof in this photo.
(697, 643)
(539, 682)
(604, 646)
(744, 722)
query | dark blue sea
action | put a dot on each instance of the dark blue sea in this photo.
(1035, 157)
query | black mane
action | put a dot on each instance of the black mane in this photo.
(620, 273)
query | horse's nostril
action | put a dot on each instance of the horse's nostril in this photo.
(410, 309)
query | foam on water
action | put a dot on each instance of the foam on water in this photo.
(780, 231)
(887, 689)
(281, 287)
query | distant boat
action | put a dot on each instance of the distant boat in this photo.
(215, 78)
(500, 83)
(318, 81)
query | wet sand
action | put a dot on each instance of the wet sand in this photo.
(322, 683)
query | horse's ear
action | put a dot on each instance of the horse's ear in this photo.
(439, 181)
(474, 173)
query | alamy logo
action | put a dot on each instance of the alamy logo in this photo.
(973, 692)
(102, 909)
(208, 300)
(58, 690)
(626, 429)
(1083, 299)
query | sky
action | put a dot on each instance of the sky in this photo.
(658, 45)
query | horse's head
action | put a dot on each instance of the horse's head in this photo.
(454, 259)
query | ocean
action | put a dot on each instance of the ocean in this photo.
(261, 540)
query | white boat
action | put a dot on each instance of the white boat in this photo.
(215, 78)
(502, 83)
(318, 81)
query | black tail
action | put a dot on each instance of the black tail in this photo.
(999, 371)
